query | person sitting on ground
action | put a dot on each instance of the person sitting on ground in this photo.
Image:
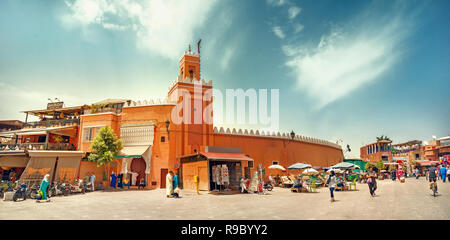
(271, 180)
(340, 181)
(243, 186)
(176, 192)
(298, 183)
(141, 184)
(126, 182)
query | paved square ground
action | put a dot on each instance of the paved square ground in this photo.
(395, 200)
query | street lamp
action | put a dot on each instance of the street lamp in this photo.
(167, 128)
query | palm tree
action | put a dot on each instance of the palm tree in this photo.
(383, 138)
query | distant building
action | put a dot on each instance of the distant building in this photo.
(375, 151)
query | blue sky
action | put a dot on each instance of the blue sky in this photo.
(349, 70)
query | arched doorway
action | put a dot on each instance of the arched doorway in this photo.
(138, 166)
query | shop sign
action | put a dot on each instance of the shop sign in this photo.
(55, 105)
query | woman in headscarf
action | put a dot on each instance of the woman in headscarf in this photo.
(44, 186)
(169, 184)
(175, 183)
(113, 180)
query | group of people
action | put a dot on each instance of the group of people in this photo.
(122, 181)
(172, 188)
(397, 173)
(335, 181)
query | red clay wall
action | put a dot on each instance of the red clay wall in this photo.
(264, 150)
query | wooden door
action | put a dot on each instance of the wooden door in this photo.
(204, 178)
(164, 172)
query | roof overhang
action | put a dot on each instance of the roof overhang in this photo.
(132, 152)
(43, 153)
(215, 156)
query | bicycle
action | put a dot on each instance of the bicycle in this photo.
(434, 188)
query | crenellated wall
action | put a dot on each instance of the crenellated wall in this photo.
(265, 148)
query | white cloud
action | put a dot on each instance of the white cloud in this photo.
(276, 2)
(298, 28)
(163, 27)
(346, 59)
(278, 32)
(293, 12)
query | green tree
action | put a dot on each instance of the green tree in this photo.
(104, 147)
(380, 165)
(383, 138)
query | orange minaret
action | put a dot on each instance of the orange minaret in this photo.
(190, 65)
(195, 131)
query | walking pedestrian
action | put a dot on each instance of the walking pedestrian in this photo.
(175, 183)
(332, 184)
(443, 173)
(448, 175)
(169, 184)
(372, 182)
(44, 187)
(92, 180)
(113, 180)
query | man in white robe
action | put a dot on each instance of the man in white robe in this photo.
(169, 183)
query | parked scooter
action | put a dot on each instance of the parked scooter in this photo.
(87, 186)
(268, 186)
(20, 192)
(78, 187)
(32, 191)
(65, 189)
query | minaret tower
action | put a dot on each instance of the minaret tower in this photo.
(193, 97)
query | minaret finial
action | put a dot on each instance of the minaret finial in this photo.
(189, 47)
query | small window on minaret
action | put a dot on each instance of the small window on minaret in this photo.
(191, 73)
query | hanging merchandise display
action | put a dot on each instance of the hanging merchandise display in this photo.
(254, 182)
(225, 175)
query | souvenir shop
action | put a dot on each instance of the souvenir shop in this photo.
(216, 171)
(225, 175)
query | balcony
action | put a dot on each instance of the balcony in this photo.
(52, 123)
(38, 146)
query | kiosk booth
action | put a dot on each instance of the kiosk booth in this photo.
(218, 168)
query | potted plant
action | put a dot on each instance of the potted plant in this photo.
(104, 147)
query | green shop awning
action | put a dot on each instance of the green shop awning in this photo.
(132, 152)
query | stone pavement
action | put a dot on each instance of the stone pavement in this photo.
(395, 200)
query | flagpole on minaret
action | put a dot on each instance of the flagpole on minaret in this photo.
(198, 50)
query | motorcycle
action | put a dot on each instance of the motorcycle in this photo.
(65, 189)
(268, 186)
(32, 191)
(20, 192)
(87, 186)
(78, 187)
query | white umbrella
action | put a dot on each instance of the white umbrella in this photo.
(277, 167)
(310, 171)
(299, 166)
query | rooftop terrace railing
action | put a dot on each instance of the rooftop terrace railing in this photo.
(52, 123)
(38, 146)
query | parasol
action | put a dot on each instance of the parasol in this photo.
(310, 171)
(277, 167)
(299, 166)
